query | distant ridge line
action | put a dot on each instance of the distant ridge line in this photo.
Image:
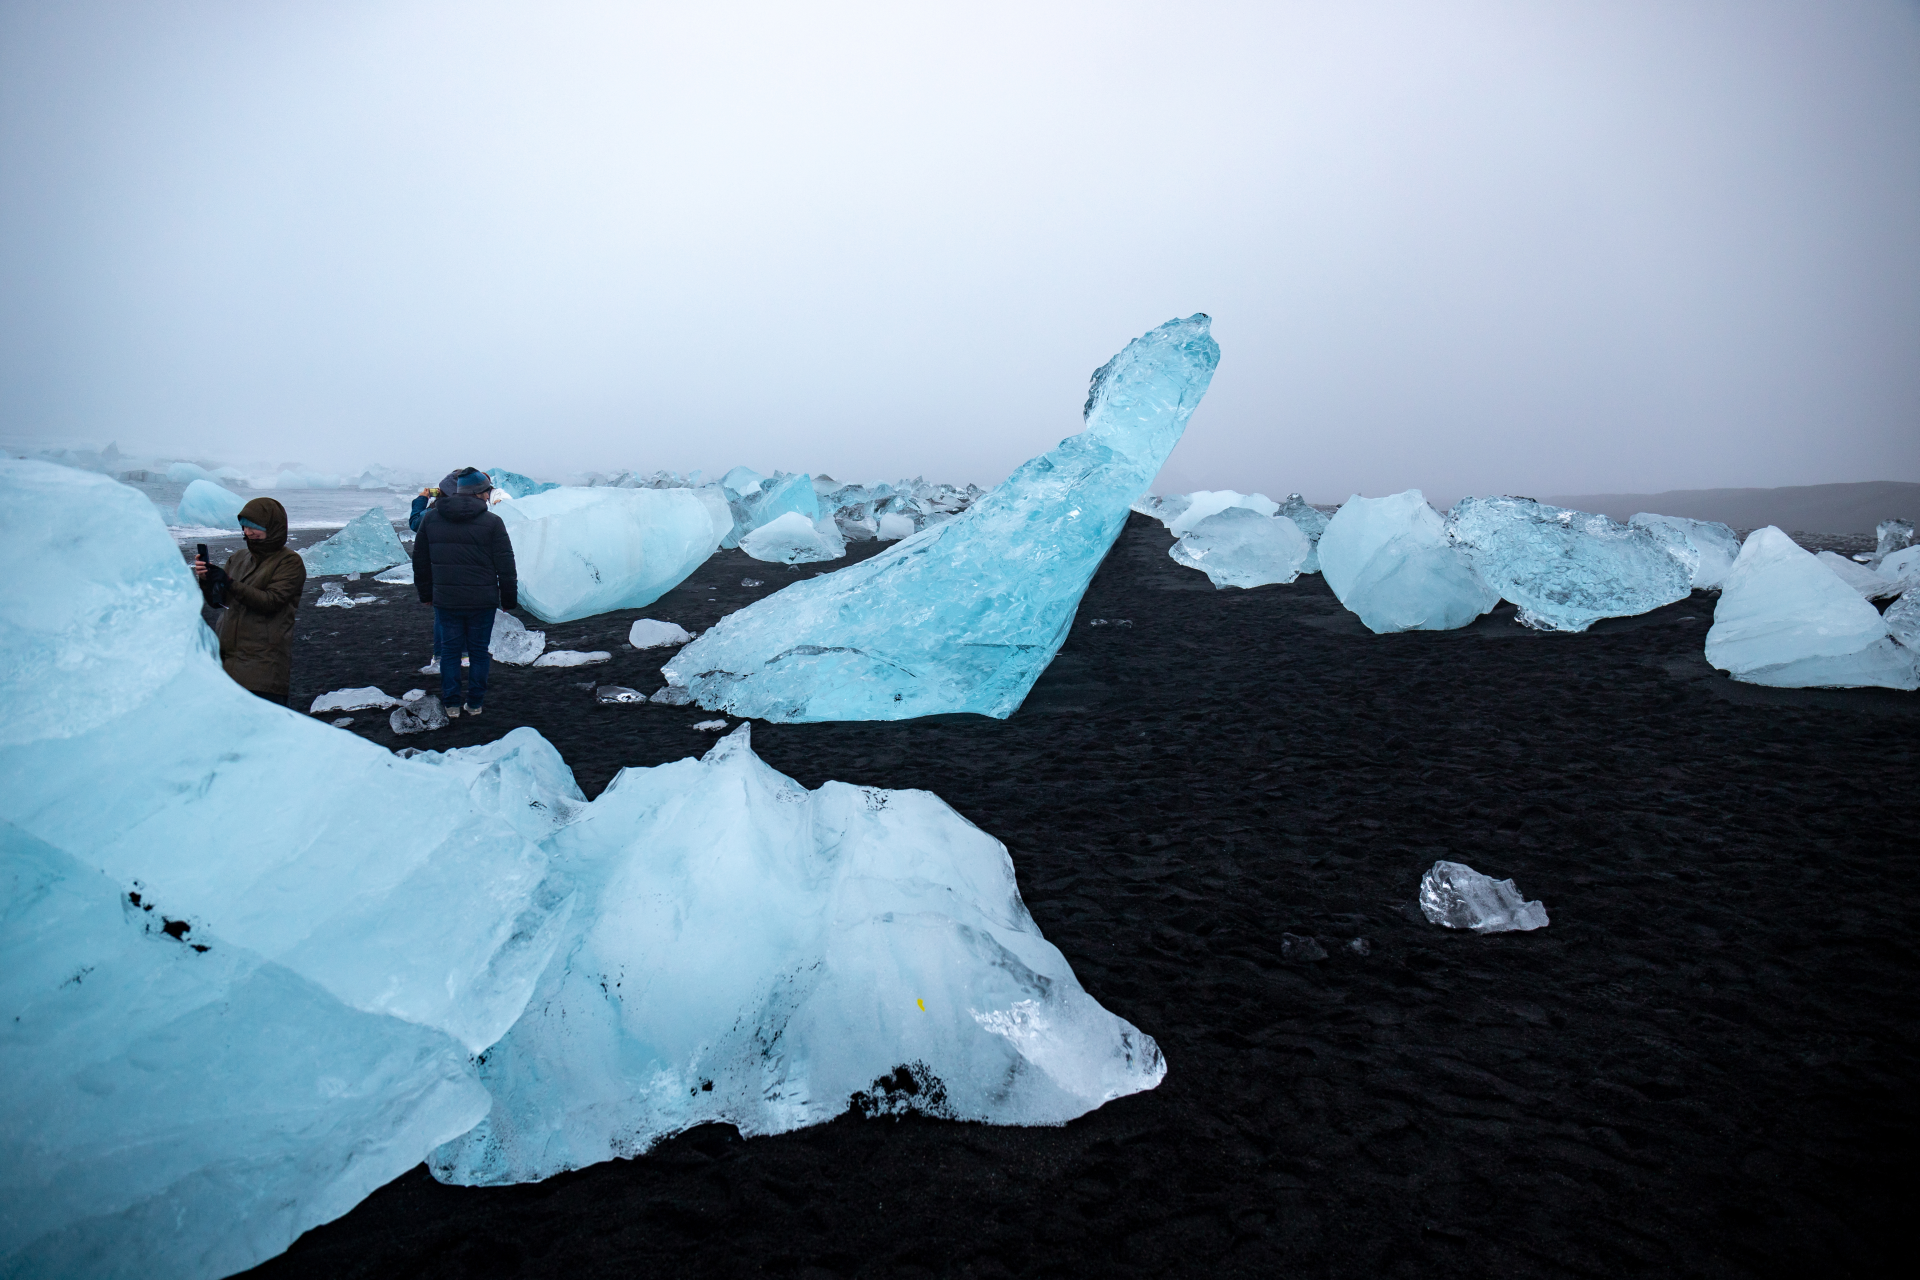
(1812, 508)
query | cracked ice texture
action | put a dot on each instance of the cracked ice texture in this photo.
(1566, 569)
(965, 614)
(1455, 896)
(1239, 547)
(749, 952)
(585, 551)
(1785, 619)
(207, 505)
(171, 1111)
(368, 544)
(1706, 547)
(1390, 561)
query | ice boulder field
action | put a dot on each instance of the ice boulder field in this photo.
(879, 876)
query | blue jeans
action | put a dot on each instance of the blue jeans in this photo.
(457, 632)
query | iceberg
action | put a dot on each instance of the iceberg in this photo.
(651, 633)
(1566, 569)
(1210, 502)
(1706, 547)
(206, 505)
(367, 544)
(965, 614)
(1455, 896)
(188, 472)
(190, 1087)
(515, 485)
(1890, 536)
(749, 952)
(1785, 619)
(1870, 585)
(1239, 547)
(585, 551)
(512, 642)
(793, 539)
(369, 698)
(1311, 521)
(1389, 560)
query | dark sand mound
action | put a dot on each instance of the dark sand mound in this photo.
(1705, 1066)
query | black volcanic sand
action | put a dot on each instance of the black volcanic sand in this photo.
(1704, 1067)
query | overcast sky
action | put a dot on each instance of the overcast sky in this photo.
(1548, 247)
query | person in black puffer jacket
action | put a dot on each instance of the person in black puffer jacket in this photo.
(463, 567)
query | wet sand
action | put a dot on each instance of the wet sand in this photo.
(1705, 1066)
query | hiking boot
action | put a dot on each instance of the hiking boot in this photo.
(472, 711)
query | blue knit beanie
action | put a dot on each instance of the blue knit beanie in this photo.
(475, 482)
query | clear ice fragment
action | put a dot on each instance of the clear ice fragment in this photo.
(368, 544)
(1903, 620)
(401, 574)
(368, 698)
(571, 658)
(893, 526)
(1453, 894)
(1890, 536)
(671, 696)
(1787, 620)
(417, 715)
(1390, 561)
(512, 642)
(966, 614)
(1211, 502)
(794, 539)
(1239, 547)
(333, 596)
(1706, 548)
(1311, 521)
(1566, 569)
(651, 633)
(342, 722)
(709, 726)
(609, 694)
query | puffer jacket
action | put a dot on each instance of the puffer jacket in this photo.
(264, 581)
(462, 557)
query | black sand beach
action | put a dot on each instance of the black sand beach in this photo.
(1706, 1066)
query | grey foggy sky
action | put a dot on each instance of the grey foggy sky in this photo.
(1549, 247)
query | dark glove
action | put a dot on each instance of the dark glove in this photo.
(213, 587)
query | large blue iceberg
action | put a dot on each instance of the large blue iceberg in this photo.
(207, 505)
(585, 551)
(1390, 561)
(965, 614)
(251, 979)
(1566, 569)
(367, 544)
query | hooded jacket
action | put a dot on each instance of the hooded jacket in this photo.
(462, 557)
(264, 581)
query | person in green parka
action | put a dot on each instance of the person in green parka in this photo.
(260, 588)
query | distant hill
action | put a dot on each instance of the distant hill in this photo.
(1816, 508)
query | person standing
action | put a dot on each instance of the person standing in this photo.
(260, 587)
(463, 567)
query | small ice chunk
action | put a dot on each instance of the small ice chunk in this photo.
(417, 715)
(1361, 947)
(752, 582)
(411, 694)
(614, 693)
(651, 633)
(894, 526)
(332, 596)
(672, 695)
(1902, 567)
(571, 658)
(710, 726)
(1312, 522)
(433, 668)
(368, 698)
(513, 642)
(1787, 620)
(794, 539)
(1870, 585)
(1110, 622)
(1888, 537)
(1453, 894)
(342, 722)
(1390, 561)
(1239, 547)
(368, 544)
(400, 575)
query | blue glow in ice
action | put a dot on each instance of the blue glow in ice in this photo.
(1566, 569)
(585, 551)
(1390, 561)
(965, 614)
(516, 485)
(368, 544)
(207, 505)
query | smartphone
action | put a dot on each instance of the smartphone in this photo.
(200, 552)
